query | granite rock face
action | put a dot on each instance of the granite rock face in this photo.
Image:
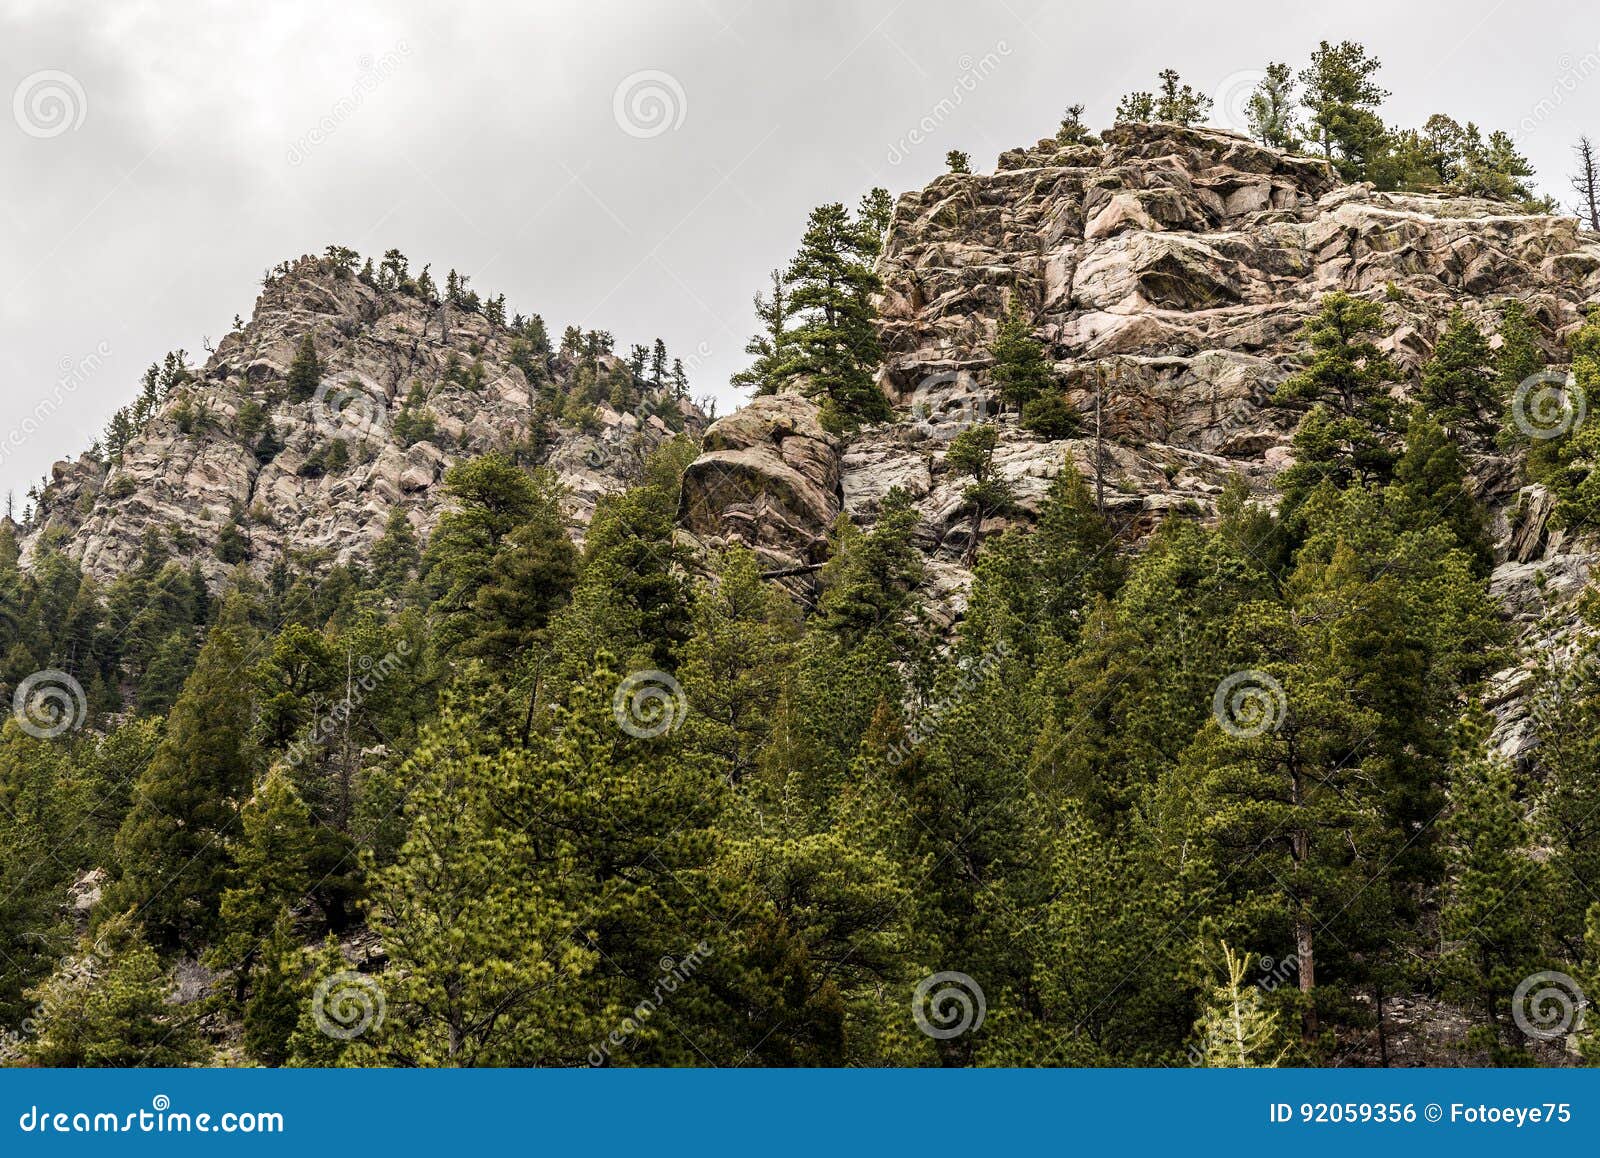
(1169, 271)
(193, 464)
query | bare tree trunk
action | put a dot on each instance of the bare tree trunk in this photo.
(1306, 961)
(1099, 445)
(1587, 183)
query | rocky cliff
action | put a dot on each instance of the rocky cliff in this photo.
(319, 476)
(1170, 271)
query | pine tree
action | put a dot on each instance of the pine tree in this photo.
(1458, 384)
(836, 342)
(874, 215)
(305, 372)
(171, 850)
(773, 347)
(1496, 890)
(1028, 587)
(1137, 108)
(1270, 109)
(735, 664)
(1343, 100)
(108, 1008)
(1344, 377)
(1177, 102)
(1430, 489)
(1021, 372)
(271, 874)
(957, 161)
(869, 583)
(476, 945)
(971, 456)
(395, 557)
(1235, 1029)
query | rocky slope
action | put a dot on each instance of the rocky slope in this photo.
(1169, 271)
(196, 462)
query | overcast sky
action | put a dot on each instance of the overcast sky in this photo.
(636, 167)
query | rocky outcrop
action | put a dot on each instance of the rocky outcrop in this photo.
(768, 478)
(322, 487)
(1169, 270)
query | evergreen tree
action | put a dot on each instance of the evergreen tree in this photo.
(1497, 891)
(1343, 100)
(1345, 379)
(1458, 384)
(1430, 489)
(1270, 110)
(305, 372)
(836, 350)
(1177, 102)
(971, 456)
(772, 348)
(1235, 1029)
(874, 214)
(734, 665)
(1021, 372)
(957, 161)
(108, 1008)
(171, 851)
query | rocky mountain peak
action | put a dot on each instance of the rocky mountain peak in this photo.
(407, 383)
(1169, 272)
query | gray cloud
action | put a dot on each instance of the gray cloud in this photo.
(217, 141)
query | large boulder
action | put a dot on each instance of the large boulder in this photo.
(768, 478)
